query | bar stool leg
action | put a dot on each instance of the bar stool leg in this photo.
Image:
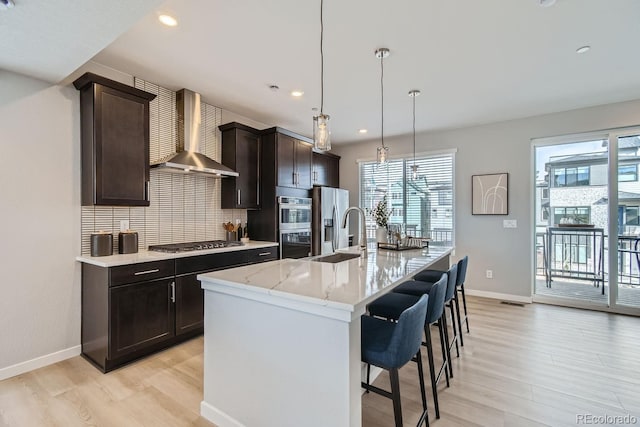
(457, 300)
(425, 414)
(432, 369)
(464, 303)
(395, 393)
(447, 354)
(453, 328)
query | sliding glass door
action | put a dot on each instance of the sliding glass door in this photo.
(587, 221)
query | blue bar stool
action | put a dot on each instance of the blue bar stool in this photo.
(391, 305)
(418, 288)
(433, 275)
(390, 345)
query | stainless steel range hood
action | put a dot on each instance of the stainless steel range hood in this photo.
(188, 158)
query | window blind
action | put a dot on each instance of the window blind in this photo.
(420, 208)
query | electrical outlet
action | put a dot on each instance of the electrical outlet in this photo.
(124, 225)
(510, 223)
(489, 274)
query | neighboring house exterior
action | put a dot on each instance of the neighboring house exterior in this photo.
(578, 191)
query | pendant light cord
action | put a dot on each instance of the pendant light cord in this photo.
(321, 59)
(414, 129)
(382, 97)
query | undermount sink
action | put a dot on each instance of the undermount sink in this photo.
(337, 257)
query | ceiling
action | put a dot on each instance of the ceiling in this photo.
(474, 61)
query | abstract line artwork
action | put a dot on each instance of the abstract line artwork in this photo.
(490, 194)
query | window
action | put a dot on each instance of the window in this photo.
(571, 177)
(545, 213)
(631, 215)
(426, 203)
(571, 215)
(545, 193)
(627, 173)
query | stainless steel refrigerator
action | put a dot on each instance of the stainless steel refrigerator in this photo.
(328, 207)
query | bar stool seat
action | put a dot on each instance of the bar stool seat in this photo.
(391, 305)
(415, 287)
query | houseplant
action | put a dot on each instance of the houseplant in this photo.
(380, 214)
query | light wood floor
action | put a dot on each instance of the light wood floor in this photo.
(521, 366)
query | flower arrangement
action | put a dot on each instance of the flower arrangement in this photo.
(380, 213)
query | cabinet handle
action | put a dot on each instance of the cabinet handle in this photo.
(173, 291)
(239, 199)
(138, 273)
(147, 191)
(264, 253)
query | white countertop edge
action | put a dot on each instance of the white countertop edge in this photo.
(305, 304)
(362, 305)
(150, 256)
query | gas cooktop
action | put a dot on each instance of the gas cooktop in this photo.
(194, 246)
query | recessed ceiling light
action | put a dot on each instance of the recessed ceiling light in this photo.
(274, 87)
(583, 49)
(547, 3)
(297, 93)
(168, 20)
(314, 109)
(362, 131)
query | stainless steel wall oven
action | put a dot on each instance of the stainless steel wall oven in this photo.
(294, 217)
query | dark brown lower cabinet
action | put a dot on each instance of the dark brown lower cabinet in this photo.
(142, 315)
(189, 304)
(131, 311)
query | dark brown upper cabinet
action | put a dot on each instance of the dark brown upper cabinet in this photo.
(114, 120)
(326, 170)
(241, 152)
(291, 156)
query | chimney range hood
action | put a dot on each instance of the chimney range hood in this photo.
(187, 158)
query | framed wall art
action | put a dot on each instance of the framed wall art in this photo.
(490, 194)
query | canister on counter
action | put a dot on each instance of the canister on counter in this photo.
(128, 242)
(101, 243)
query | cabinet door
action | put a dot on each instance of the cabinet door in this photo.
(319, 170)
(286, 147)
(303, 165)
(332, 174)
(241, 152)
(248, 160)
(189, 304)
(121, 125)
(141, 315)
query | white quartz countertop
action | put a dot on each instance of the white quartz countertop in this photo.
(147, 256)
(344, 286)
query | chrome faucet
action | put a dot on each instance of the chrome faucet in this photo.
(363, 228)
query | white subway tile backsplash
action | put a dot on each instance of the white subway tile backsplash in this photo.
(182, 208)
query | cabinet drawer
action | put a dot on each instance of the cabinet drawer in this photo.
(210, 262)
(262, 254)
(140, 272)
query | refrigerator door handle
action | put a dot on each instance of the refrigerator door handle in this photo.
(334, 243)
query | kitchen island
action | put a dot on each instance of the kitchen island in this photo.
(282, 339)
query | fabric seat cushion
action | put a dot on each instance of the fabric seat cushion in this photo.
(375, 337)
(429, 276)
(391, 305)
(414, 287)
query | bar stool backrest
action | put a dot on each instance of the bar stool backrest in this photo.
(452, 274)
(407, 335)
(436, 300)
(462, 271)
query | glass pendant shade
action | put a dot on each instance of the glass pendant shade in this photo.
(383, 155)
(414, 172)
(321, 133)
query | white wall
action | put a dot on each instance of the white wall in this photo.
(40, 197)
(498, 147)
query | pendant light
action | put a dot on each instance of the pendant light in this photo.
(383, 151)
(414, 168)
(321, 131)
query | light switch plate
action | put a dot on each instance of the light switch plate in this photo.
(510, 223)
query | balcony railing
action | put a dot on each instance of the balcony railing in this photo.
(584, 254)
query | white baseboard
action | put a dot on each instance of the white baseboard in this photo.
(496, 295)
(39, 362)
(218, 417)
